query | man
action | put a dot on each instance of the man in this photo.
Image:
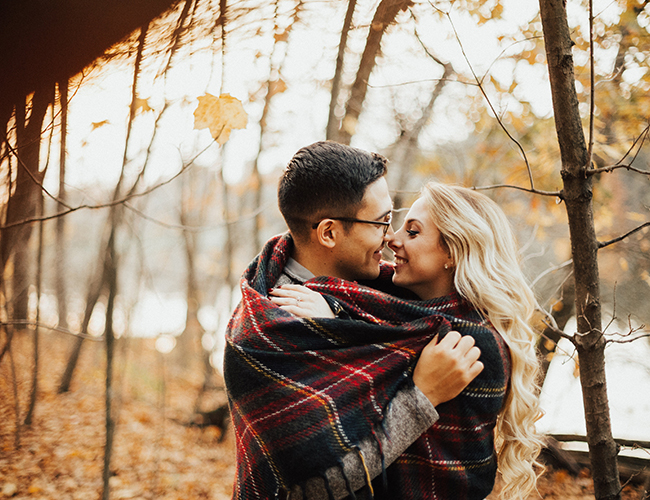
(336, 203)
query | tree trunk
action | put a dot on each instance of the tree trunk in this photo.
(111, 274)
(14, 383)
(94, 292)
(189, 342)
(39, 279)
(406, 147)
(59, 261)
(577, 195)
(332, 122)
(95, 289)
(23, 202)
(386, 13)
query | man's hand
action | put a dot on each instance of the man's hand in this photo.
(445, 368)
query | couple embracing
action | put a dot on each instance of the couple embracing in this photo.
(351, 377)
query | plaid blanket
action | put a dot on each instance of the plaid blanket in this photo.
(304, 392)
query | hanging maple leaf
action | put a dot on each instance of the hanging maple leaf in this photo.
(220, 115)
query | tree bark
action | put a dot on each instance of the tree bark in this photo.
(23, 202)
(385, 15)
(95, 289)
(14, 383)
(189, 342)
(94, 292)
(406, 147)
(577, 196)
(59, 262)
(332, 123)
(111, 274)
(39, 279)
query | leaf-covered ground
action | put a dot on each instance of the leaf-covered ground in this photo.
(60, 456)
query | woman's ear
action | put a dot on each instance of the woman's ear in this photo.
(450, 260)
(327, 233)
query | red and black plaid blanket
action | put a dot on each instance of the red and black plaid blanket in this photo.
(305, 392)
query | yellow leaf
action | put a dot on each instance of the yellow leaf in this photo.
(96, 125)
(623, 263)
(277, 86)
(576, 368)
(142, 104)
(220, 115)
(282, 37)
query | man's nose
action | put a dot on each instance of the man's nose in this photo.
(389, 238)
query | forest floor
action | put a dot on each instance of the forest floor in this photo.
(155, 456)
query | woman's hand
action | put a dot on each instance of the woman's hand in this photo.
(301, 301)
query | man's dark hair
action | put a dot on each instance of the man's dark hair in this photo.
(326, 179)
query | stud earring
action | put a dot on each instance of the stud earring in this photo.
(446, 266)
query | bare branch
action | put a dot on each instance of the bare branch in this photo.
(592, 101)
(107, 204)
(603, 244)
(557, 331)
(556, 194)
(480, 86)
(487, 72)
(36, 324)
(627, 166)
(197, 229)
(425, 80)
(628, 340)
(634, 444)
(613, 318)
(32, 177)
(550, 270)
(426, 49)
(642, 138)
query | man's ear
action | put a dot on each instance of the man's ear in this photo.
(327, 233)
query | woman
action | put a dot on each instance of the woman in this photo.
(458, 242)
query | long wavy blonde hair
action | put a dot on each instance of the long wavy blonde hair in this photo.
(487, 273)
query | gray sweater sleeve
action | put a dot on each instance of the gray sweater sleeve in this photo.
(409, 415)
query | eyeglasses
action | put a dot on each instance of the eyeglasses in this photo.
(385, 223)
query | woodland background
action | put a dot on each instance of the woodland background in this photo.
(125, 229)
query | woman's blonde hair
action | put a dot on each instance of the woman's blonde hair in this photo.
(487, 274)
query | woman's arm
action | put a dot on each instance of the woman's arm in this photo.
(301, 301)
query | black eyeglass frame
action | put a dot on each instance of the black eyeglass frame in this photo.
(386, 224)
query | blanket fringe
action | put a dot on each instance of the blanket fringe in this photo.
(328, 488)
(348, 486)
(384, 477)
(367, 473)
